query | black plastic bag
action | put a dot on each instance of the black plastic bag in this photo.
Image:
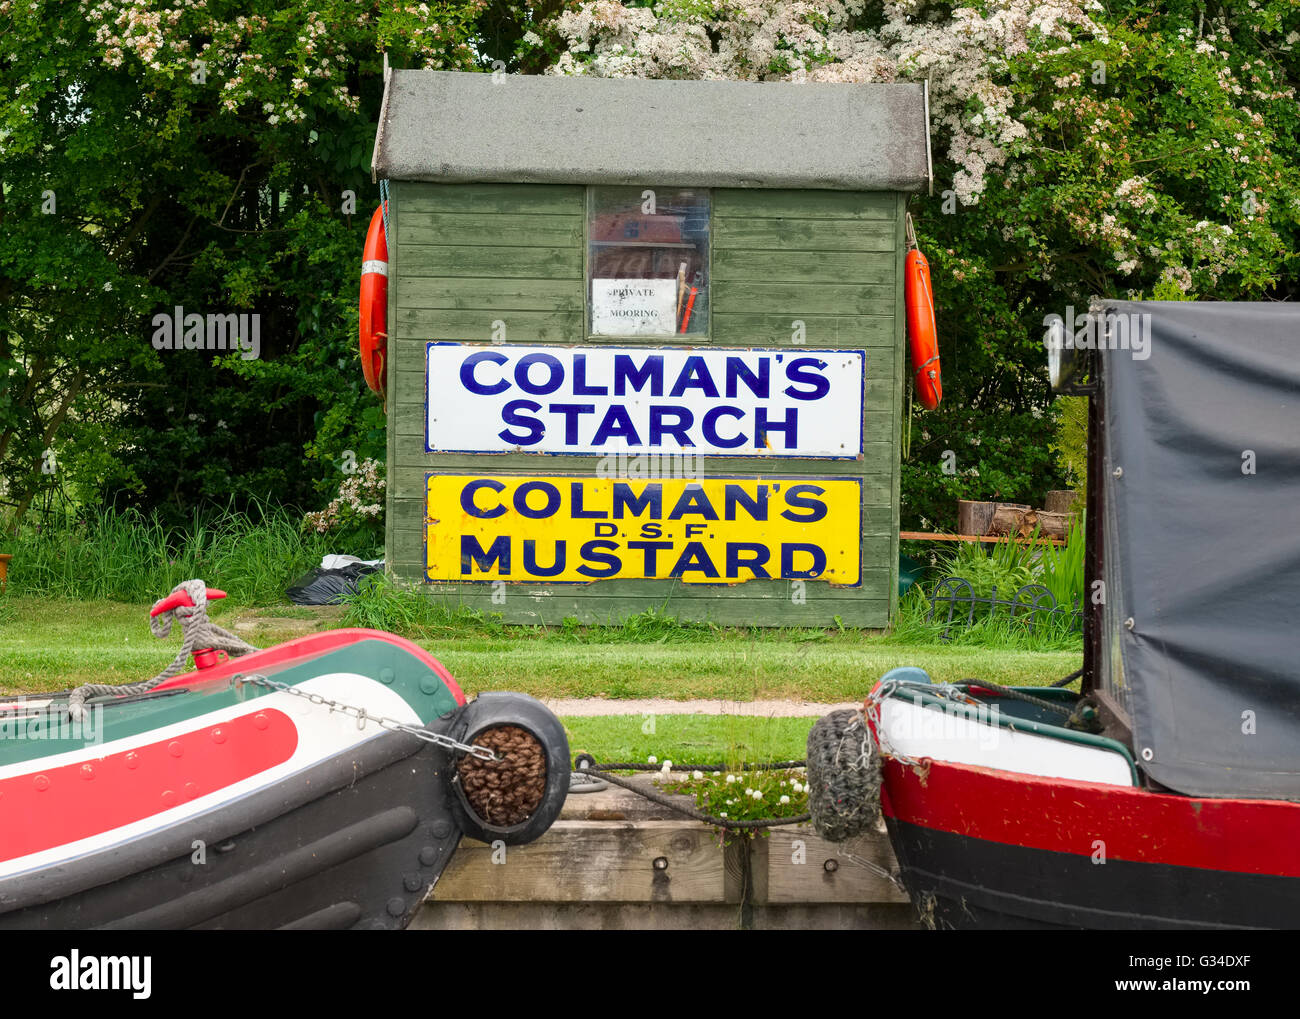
(328, 587)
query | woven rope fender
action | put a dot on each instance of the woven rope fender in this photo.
(844, 776)
(507, 791)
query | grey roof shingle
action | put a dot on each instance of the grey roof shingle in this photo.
(541, 129)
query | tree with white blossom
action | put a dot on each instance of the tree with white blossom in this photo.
(1081, 150)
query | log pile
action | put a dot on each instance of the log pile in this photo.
(1000, 519)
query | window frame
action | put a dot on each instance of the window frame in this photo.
(674, 339)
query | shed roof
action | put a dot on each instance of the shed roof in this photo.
(451, 126)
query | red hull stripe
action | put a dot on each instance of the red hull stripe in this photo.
(1243, 836)
(75, 801)
(307, 647)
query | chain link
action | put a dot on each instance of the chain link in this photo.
(362, 717)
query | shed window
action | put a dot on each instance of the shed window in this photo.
(648, 261)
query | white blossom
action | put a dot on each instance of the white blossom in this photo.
(818, 40)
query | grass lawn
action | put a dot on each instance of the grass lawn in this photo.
(689, 739)
(49, 644)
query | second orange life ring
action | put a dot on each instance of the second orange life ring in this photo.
(922, 337)
(374, 303)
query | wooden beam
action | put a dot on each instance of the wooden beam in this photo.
(803, 867)
(929, 536)
(592, 861)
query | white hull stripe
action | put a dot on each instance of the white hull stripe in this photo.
(923, 731)
(322, 734)
(373, 266)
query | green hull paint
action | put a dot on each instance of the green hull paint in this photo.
(411, 679)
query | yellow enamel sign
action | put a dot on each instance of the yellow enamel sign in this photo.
(717, 530)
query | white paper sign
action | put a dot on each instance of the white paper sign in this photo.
(633, 307)
(786, 402)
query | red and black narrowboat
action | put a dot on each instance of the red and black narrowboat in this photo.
(1166, 793)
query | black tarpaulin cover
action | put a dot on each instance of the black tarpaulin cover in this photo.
(1203, 543)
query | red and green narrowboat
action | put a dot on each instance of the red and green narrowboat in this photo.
(316, 784)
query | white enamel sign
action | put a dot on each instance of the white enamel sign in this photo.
(784, 402)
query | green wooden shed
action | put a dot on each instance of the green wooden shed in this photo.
(646, 344)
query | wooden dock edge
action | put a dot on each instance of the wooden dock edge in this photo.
(616, 861)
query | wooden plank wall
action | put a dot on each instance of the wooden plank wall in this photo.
(470, 255)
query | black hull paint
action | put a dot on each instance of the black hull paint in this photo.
(354, 842)
(963, 883)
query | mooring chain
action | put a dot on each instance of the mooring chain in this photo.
(586, 763)
(363, 716)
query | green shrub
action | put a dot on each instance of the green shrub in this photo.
(1007, 567)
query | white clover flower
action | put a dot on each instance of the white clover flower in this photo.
(697, 775)
(652, 759)
(784, 800)
(731, 779)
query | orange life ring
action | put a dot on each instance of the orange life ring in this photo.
(922, 336)
(374, 303)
